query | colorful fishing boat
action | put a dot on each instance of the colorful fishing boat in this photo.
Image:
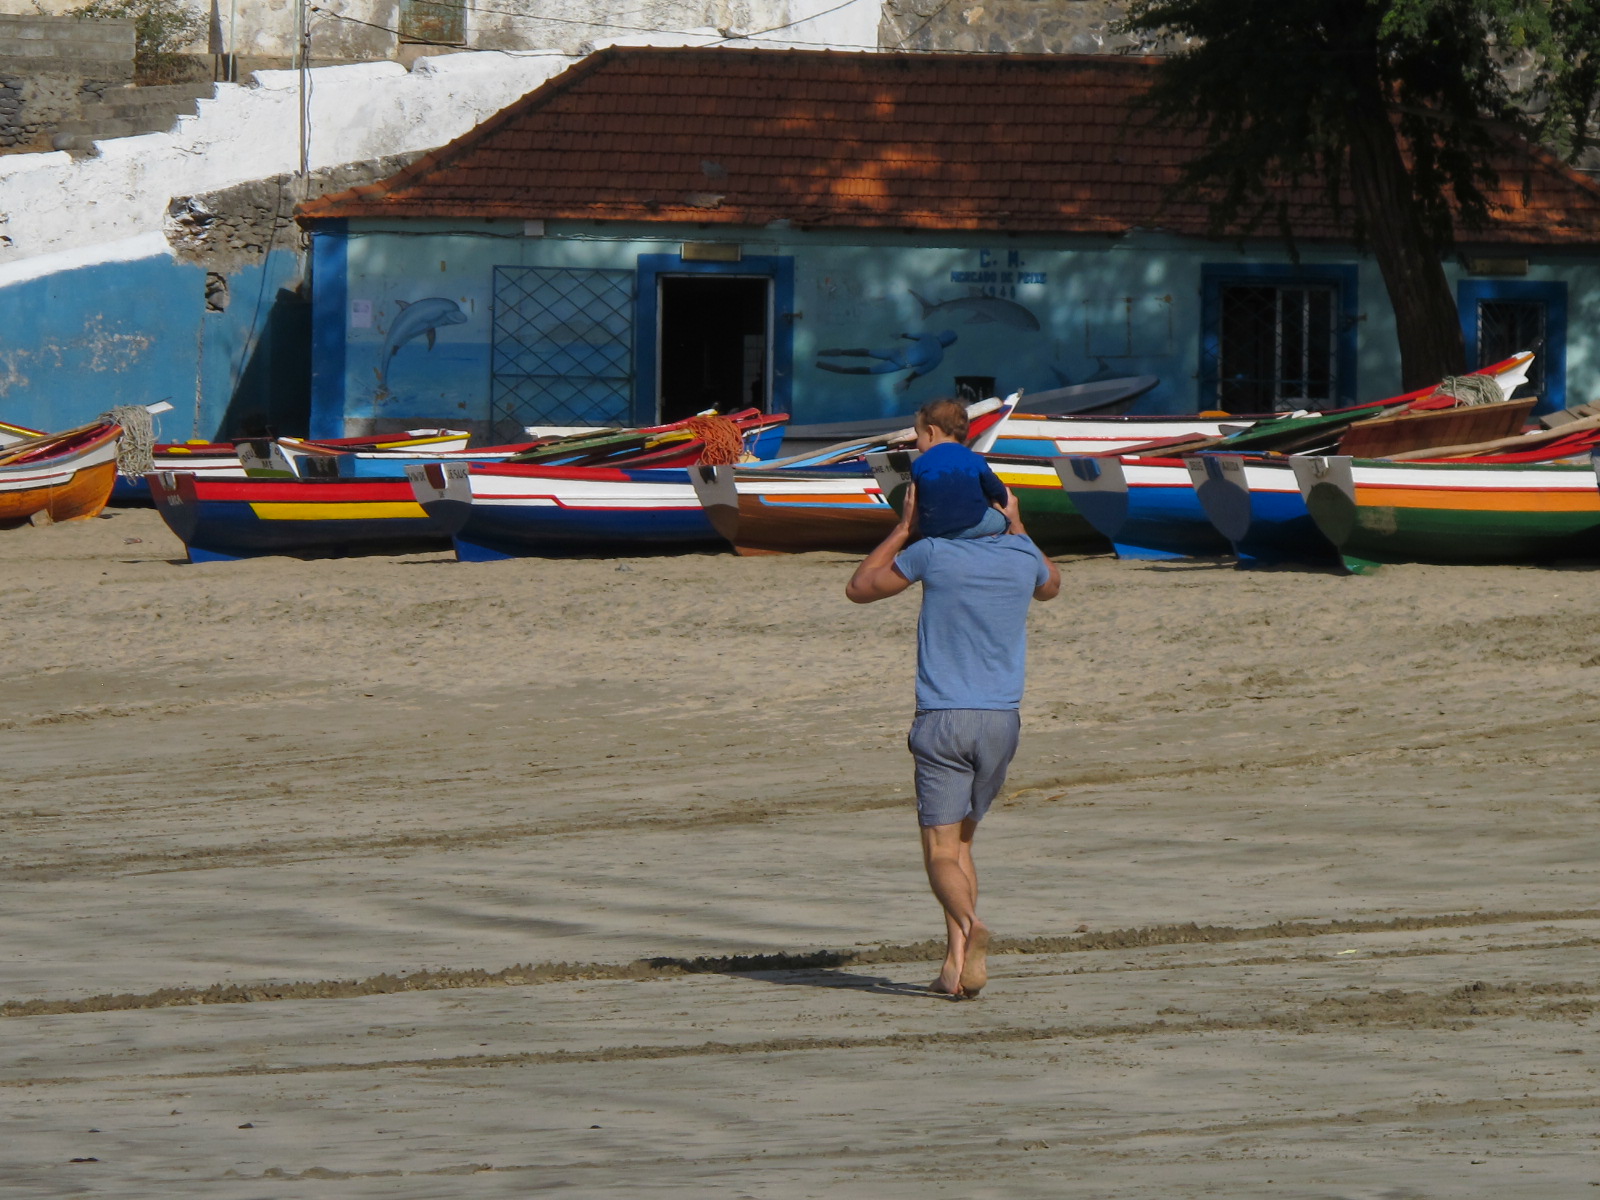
(679, 444)
(62, 477)
(1255, 501)
(504, 510)
(10, 434)
(1030, 436)
(1161, 506)
(794, 510)
(225, 519)
(214, 460)
(258, 456)
(1102, 396)
(1376, 512)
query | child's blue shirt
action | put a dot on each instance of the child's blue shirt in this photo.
(954, 488)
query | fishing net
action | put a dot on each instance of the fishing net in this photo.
(1470, 390)
(136, 447)
(724, 440)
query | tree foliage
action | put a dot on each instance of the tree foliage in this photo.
(1394, 103)
(161, 29)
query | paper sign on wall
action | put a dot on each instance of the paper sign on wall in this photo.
(361, 314)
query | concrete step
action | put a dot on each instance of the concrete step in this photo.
(178, 97)
(125, 112)
(146, 103)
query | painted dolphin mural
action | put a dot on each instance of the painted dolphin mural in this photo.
(980, 310)
(417, 318)
(924, 354)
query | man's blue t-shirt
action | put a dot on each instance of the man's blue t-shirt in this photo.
(972, 631)
(954, 488)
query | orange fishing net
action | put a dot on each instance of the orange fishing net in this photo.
(724, 441)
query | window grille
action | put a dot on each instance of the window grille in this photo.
(1507, 326)
(1277, 347)
(562, 349)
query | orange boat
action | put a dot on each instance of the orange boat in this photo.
(66, 476)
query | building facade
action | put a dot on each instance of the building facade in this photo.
(847, 236)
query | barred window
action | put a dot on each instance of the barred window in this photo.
(1277, 347)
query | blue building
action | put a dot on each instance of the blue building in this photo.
(849, 235)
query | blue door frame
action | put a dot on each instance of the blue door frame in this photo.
(1469, 292)
(647, 323)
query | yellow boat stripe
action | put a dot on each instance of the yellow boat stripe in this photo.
(1485, 501)
(353, 511)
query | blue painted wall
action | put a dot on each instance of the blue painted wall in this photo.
(77, 342)
(1031, 312)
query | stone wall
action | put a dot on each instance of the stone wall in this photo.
(1003, 26)
(50, 68)
(239, 226)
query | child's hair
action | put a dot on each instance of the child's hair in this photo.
(946, 414)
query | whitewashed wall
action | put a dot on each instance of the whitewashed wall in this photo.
(54, 204)
(365, 29)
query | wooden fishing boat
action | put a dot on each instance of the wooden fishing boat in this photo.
(793, 510)
(1049, 437)
(1029, 436)
(214, 460)
(789, 512)
(1102, 396)
(224, 519)
(64, 477)
(1256, 502)
(10, 434)
(1161, 506)
(504, 510)
(1376, 512)
(1046, 508)
(230, 460)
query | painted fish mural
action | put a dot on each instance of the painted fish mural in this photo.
(924, 355)
(980, 310)
(417, 318)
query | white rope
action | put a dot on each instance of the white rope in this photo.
(136, 447)
(1471, 390)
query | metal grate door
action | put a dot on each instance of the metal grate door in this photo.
(562, 352)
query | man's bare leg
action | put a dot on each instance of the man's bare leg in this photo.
(947, 856)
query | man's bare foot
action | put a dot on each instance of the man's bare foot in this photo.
(975, 970)
(948, 983)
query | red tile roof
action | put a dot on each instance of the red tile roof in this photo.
(1005, 143)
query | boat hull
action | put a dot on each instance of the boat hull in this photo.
(1145, 507)
(223, 519)
(792, 512)
(1379, 512)
(72, 486)
(1257, 506)
(508, 511)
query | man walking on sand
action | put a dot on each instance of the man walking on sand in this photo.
(971, 646)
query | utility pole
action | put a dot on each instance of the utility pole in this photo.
(302, 53)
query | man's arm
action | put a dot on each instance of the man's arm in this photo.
(1051, 587)
(877, 577)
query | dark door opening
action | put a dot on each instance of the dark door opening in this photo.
(714, 344)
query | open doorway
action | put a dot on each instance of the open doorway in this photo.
(715, 344)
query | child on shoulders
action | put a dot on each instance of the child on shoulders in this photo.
(958, 496)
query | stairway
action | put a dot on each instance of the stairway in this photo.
(125, 111)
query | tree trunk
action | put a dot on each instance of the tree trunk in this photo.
(1425, 314)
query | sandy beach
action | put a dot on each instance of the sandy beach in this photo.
(404, 878)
